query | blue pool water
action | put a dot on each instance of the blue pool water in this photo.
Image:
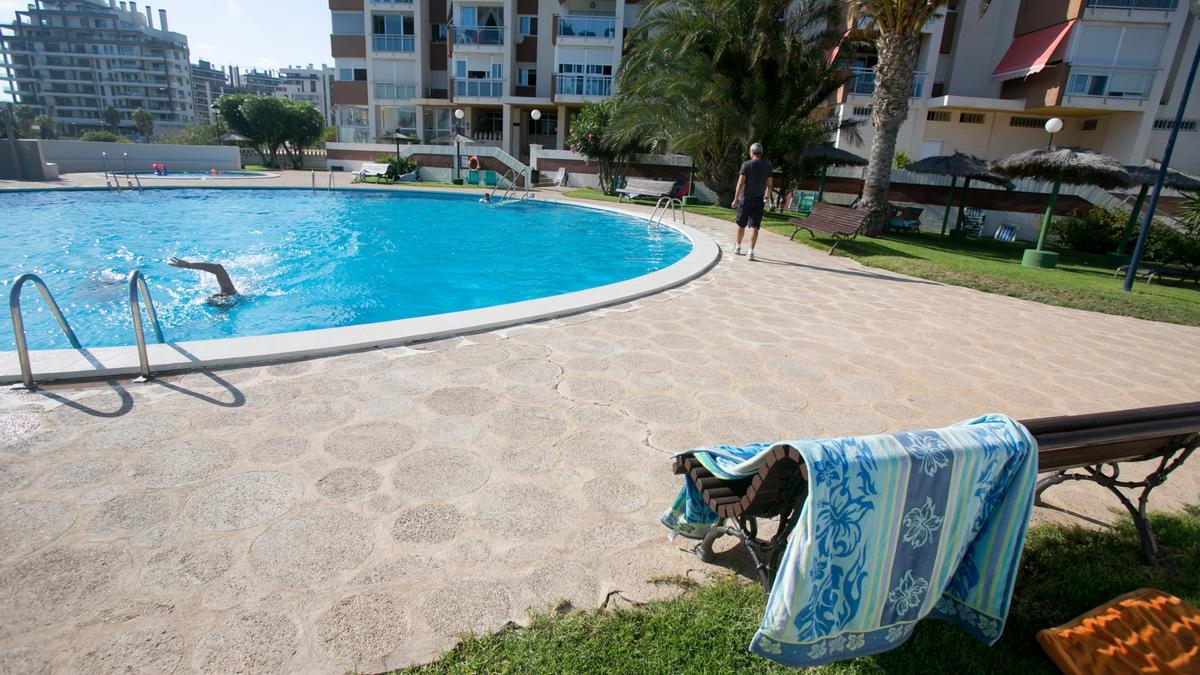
(204, 175)
(304, 260)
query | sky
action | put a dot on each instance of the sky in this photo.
(248, 33)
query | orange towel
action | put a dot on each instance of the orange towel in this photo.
(1145, 631)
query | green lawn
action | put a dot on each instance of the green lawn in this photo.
(1081, 281)
(1064, 572)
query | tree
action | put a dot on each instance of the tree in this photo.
(25, 118)
(46, 128)
(144, 122)
(898, 25)
(593, 136)
(709, 77)
(103, 137)
(264, 120)
(305, 126)
(193, 134)
(112, 119)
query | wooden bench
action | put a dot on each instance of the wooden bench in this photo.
(374, 170)
(645, 187)
(1152, 271)
(839, 222)
(1078, 447)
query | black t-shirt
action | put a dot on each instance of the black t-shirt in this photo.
(757, 173)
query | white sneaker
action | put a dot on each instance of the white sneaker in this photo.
(750, 255)
(737, 250)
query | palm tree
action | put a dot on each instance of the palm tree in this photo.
(708, 77)
(112, 119)
(898, 25)
(144, 122)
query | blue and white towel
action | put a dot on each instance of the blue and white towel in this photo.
(895, 528)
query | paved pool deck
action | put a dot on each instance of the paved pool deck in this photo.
(360, 512)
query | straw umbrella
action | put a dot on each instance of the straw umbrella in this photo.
(399, 137)
(1144, 175)
(826, 155)
(958, 165)
(1060, 165)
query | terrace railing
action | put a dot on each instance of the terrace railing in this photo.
(1165, 5)
(587, 26)
(394, 43)
(864, 82)
(1105, 82)
(479, 35)
(583, 85)
(472, 88)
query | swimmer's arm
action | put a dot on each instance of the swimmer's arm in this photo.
(227, 287)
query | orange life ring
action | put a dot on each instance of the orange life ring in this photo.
(473, 163)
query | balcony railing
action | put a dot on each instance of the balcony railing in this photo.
(1166, 5)
(587, 26)
(395, 92)
(864, 82)
(393, 43)
(479, 35)
(1102, 82)
(583, 85)
(471, 88)
(391, 2)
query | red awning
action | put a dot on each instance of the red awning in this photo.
(1032, 52)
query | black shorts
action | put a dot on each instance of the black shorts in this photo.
(750, 214)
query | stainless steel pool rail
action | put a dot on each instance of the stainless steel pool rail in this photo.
(14, 308)
(314, 181)
(131, 175)
(511, 193)
(115, 183)
(137, 282)
(664, 203)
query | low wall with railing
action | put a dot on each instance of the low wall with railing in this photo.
(86, 156)
(436, 161)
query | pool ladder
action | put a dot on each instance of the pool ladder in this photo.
(113, 181)
(659, 214)
(314, 181)
(137, 283)
(510, 194)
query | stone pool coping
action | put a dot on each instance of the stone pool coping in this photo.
(57, 365)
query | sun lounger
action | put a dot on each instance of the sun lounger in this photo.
(472, 177)
(837, 221)
(560, 178)
(803, 202)
(973, 220)
(1090, 443)
(1152, 271)
(1006, 233)
(372, 170)
(907, 219)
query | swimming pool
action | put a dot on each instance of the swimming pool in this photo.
(307, 260)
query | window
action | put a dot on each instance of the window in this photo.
(437, 32)
(1028, 122)
(438, 122)
(492, 122)
(393, 24)
(1168, 124)
(527, 25)
(402, 117)
(353, 124)
(861, 111)
(547, 126)
(971, 118)
(352, 74)
(347, 23)
(460, 69)
(1090, 125)
(938, 116)
(497, 71)
(527, 77)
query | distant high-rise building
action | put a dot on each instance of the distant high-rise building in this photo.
(261, 82)
(72, 59)
(209, 83)
(308, 85)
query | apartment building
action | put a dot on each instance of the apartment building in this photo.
(209, 83)
(412, 64)
(308, 85)
(1113, 70)
(71, 59)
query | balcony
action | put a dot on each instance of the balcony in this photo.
(1102, 82)
(1161, 5)
(386, 3)
(479, 35)
(583, 85)
(395, 92)
(472, 88)
(863, 83)
(393, 43)
(602, 27)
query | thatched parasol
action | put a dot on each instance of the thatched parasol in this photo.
(1145, 175)
(1060, 165)
(399, 137)
(826, 155)
(958, 165)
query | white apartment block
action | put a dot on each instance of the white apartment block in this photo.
(308, 85)
(71, 59)
(1113, 70)
(409, 65)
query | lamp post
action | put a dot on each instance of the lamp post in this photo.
(458, 117)
(1140, 248)
(217, 122)
(1039, 257)
(534, 115)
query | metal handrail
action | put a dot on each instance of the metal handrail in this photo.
(14, 308)
(330, 187)
(108, 170)
(138, 282)
(131, 174)
(314, 180)
(665, 203)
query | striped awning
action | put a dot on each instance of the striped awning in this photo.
(1032, 52)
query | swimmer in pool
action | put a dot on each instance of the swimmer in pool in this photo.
(486, 198)
(228, 290)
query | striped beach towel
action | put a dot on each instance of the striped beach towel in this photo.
(895, 528)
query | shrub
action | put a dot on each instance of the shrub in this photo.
(103, 137)
(397, 167)
(1167, 245)
(1097, 230)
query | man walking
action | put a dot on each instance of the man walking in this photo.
(754, 184)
